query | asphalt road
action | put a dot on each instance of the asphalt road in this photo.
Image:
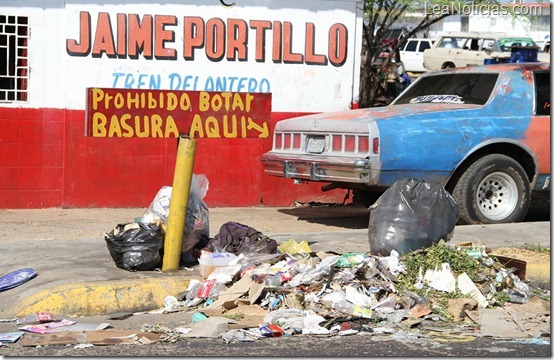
(399, 345)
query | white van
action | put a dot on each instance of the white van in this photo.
(411, 54)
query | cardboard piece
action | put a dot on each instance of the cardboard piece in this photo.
(240, 288)
(420, 310)
(519, 265)
(212, 327)
(254, 292)
(531, 319)
(253, 316)
(458, 307)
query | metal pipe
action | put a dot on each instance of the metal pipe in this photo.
(180, 192)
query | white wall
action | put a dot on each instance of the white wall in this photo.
(59, 80)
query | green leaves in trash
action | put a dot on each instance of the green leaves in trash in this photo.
(433, 257)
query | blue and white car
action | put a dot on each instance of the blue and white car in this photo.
(482, 132)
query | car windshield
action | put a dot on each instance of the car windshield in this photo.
(465, 88)
(507, 43)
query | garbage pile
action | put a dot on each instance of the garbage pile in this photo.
(411, 275)
(443, 291)
(299, 292)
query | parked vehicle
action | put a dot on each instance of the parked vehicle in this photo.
(472, 48)
(482, 132)
(411, 54)
(544, 44)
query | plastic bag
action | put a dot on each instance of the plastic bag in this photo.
(197, 222)
(135, 246)
(410, 215)
(197, 217)
(237, 238)
(158, 210)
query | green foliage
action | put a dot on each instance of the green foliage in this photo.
(433, 257)
(501, 297)
(536, 248)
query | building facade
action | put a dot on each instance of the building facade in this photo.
(63, 59)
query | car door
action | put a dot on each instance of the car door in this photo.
(443, 53)
(474, 52)
(408, 55)
(537, 136)
(418, 56)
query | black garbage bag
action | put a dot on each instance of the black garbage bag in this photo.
(410, 215)
(136, 246)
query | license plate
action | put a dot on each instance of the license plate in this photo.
(316, 145)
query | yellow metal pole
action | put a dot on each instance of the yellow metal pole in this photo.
(182, 179)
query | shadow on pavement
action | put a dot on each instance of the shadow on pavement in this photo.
(350, 216)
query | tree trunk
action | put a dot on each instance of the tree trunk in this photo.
(369, 89)
(369, 85)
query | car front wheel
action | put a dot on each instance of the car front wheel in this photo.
(493, 190)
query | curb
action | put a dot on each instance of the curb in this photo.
(101, 298)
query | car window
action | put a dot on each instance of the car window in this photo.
(451, 42)
(424, 45)
(542, 93)
(507, 43)
(411, 46)
(471, 44)
(488, 44)
(473, 88)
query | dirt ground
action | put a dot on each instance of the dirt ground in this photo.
(63, 224)
(528, 255)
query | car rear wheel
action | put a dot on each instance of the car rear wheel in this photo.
(493, 190)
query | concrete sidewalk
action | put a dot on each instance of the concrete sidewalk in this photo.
(77, 276)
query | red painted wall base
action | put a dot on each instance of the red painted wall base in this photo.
(46, 161)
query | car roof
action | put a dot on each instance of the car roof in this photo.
(474, 34)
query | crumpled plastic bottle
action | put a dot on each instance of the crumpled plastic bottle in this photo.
(347, 307)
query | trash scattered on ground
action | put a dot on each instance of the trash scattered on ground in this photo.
(252, 288)
(443, 293)
(16, 278)
(10, 337)
(47, 327)
(431, 290)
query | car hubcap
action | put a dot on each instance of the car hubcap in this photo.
(497, 196)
